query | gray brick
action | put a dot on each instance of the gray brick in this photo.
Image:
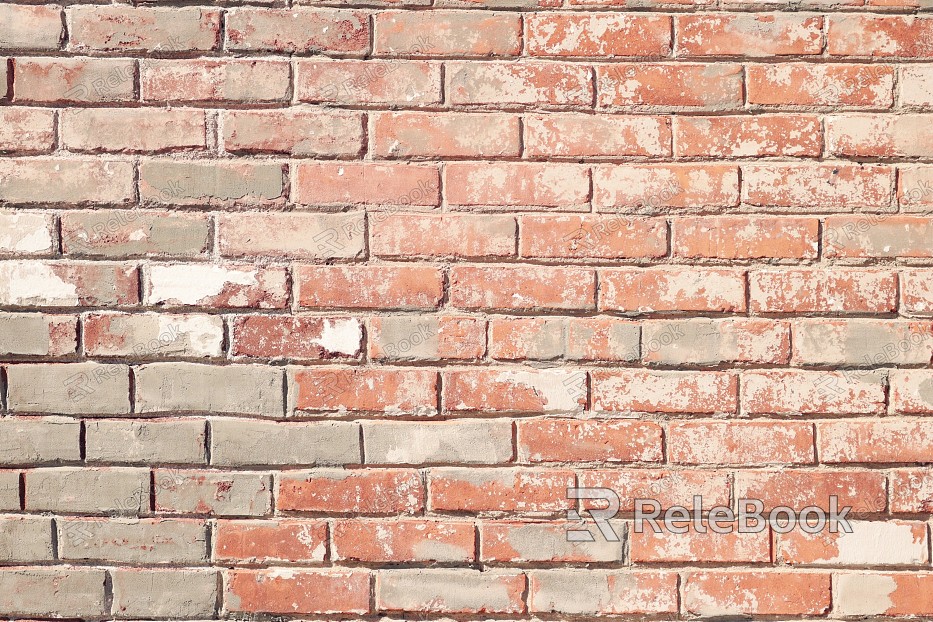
(164, 441)
(140, 541)
(194, 388)
(144, 593)
(39, 440)
(26, 539)
(225, 493)
(238, 442)
(96, 490)
(52, 592)
(467, 442)
(69, 389)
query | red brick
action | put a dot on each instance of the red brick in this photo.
(823, 291)
(61, 80)
(295, 234)
(413, 134)
(663, 289)
(793, 392)
(881, 441)
(598, 34)
(740, 442)
(358, 183)
(392, 391)
(917, 291)
(288, 591)
(817, 185)
(294, 131)
(749, 136)
(26, 130)
(696, 546)
(757, 593)
(143, 29)
(600, 237)
(133, 130)
(461, 236)
(369, 287)
(649, 187)
(572, 440)
(516, 184)
(911, 491)
(215, 80)
(671, 86)
(526, 83)
(296, 338)
(522, 288)
(298, 30)
(265, 542)
(864, 491)
(668, 488)
(664, 391)
(450, 33)
(514, 390)
(827, 85)
(403, 541)
(879, 135)
(742, 237)
(391, 82)
(748, 34)
(514, 491)
(880, 36)
(335, 491)
(568, 135)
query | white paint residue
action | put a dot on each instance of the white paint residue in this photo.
(341, 336)
(191, 284)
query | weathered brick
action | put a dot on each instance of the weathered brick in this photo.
(302, 236)
(404, 287)
(572, 440)
(699, 545)
(749, 136)
(665, 289)
(133, 130)
(598, 34)
(9, 490)
(879, 135)
(68, 389)
(817, 186)
(393, 391)
(757, 593)
(369, 492)
(237, 442)
(602, 592)
(26, 27)
(425, 337)
(825, 85)
(68, 284)
(822, 291)
(522, 288)
(366, 183)
(864, 491)
(293, 131)
(739, 237)
(428, 591)
(172, 441)
(218, 183)
(296, 338)
(39, 440)
(67, 80)
(914, 86)
(749, 35)
(38, 334)
(215, 80)
(164, 593)
(794, 392)
(461, 442)
(911, 490)
(866, 594)
(220, 286)
(195, 388)
(911, 391)
(380, 82)
(451, 33)
(744, 443)
(287, 591)
(669, 86)
(917, 291)
(582, 339)
(870, 543)
(145, 335)
(516, 184)
(26, 130)
(508, 390)
(702, 341)
(215, 493)
(76, 591)
(268, 542)
(880, 36)
(513, 542)
(884, 441)
(527, 83)
(601, 237)
(101, 28)
(132, 540)
(25, 233)
(65, 181)
(406, 540)
(461, 236)
(26, 539)
(567, 135)
(297, 30)
(110, 490)
(914, 189)
(862, 343)
(134, 233)
(513, 491)
(424, 135)
(873, 236)
(648, 187)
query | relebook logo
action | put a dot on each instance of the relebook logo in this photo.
(677, 519)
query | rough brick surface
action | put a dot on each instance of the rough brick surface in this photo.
(322, 309)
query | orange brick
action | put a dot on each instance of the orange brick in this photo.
(297, 338)
(516, 184)
(670, 86)
(369, 287)
(649, 187)
(392, 391)
(358, 183)
(443, 235)
(268, 542)
(447, 33)
(516, 491)
(300, 591)
(598, 34)
(510, 390)
(812, 392)
(701, 545)
(900, 594)
(392, 82)
(757, 593)
(522, 288)
(882, 441)
(526, 83)
(663, 289)
(403, 541)
(571, 135)
(864, 491)
(664, 391)
(827, 85)
(822, 291)
(668, 488)
(571, 440)
(337, 491)
(600, 237)
(911, 491)
(880, 36)
(413, 134)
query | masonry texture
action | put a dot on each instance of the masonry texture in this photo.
(316, 309)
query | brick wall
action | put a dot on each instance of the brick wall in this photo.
(318, 309)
